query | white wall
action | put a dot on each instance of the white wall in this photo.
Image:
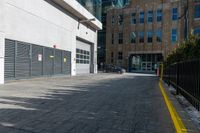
(38, 22)
(2, 39)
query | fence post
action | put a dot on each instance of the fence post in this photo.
(161, 72)
(169, 75)
(177, 79)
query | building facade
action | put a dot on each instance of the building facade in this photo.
(45, 38)
(141, 35)
(99, 9)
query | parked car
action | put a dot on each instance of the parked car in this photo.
(114, 69)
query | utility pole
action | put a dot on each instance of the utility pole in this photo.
(186, 19)
(185, 15)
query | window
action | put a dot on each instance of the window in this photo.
(197, 11)
(150, 16)
(159, 36)
(112, 38)
(113, 20)
(120, 38)
(112, 56)
(174, 35)
(133, 18)
(141, 37)
(120, 19)
(174, 14)
(141, 17)
(133, 37)
(120, 56)
(82, 56)
(149, 36)
(197, 31)
(159, 15)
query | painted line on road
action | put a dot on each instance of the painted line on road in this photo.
(178, 124)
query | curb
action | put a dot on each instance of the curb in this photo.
(178, 124)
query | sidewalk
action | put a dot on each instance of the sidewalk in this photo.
(185, 119)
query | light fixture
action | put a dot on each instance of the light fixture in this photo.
(85, 20)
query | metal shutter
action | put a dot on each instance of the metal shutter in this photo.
(22, 60)
(66, 59)
(58, 62)
(37, 60)
(9, 59)
(48, 61)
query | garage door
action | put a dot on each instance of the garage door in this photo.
(83, 57)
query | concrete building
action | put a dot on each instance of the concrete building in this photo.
(141, 35)
(46, 37)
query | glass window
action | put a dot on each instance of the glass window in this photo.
(133, 37)
(174, 13)
(174, 35)
(141, 37)
(112, 56)
(120, 56)
(197, 31)
(141, 17)
(197, 11)
(82, 56)
(133, 18)
(150, 16)
(120, 38)
(159, 15)
(120, 19)
(113, 20)
(158, 36)
(149, 36)
(112, 38)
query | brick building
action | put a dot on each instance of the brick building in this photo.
(142, 34)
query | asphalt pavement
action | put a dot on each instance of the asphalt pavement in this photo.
(95, 103)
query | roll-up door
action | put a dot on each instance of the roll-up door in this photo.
(58, 62)
(9, 59)
(66, 62)
(83, 57)
(48, 61)
(37, 60)
(22, 60)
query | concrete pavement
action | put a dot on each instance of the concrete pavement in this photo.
(102, 103)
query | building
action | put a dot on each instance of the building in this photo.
(46, 37)
(141, 35)
(93, 6)
(99, 9)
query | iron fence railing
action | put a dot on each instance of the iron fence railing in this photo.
(185, 78)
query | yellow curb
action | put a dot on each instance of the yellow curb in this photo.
(178, 124)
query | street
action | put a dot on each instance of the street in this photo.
(101, 103)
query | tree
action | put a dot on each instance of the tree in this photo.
(189, 49)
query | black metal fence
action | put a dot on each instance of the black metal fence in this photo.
(185, 77)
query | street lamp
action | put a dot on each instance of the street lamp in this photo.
(85, 20)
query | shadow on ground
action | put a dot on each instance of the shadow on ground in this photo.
(85, 104)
